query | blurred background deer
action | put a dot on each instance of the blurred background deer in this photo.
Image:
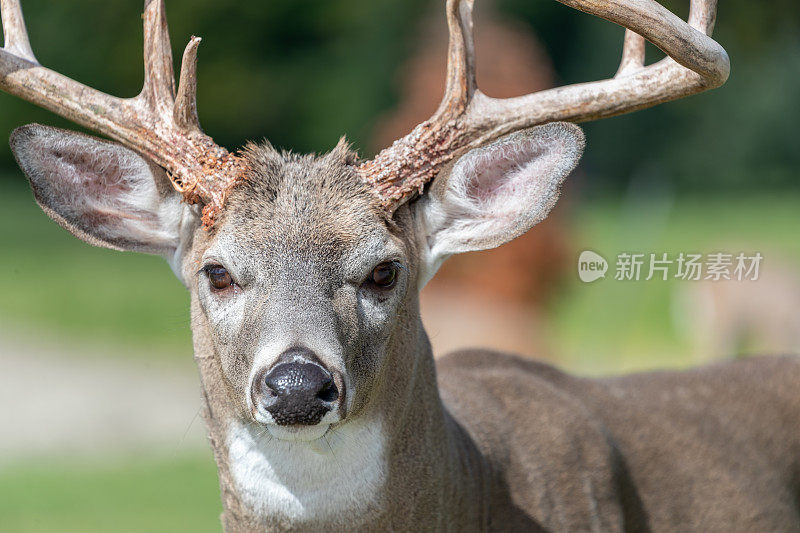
(733, 318)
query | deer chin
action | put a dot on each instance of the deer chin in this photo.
(298, 433)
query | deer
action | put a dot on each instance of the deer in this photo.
(324, 406)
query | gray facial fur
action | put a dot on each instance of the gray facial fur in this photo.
(300, 237)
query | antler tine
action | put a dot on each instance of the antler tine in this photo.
(633, 50)
(461, 84)
(159, 76)
(15, 35)
(404, 168)
(702, 15)
(467, 118)
(185, 112)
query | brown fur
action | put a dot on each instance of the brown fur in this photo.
(712, 449)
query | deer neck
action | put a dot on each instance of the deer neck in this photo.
(436, 478)
(400, 462)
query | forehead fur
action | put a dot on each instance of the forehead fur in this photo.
(319, 198)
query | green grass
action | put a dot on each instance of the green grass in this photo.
(141, 495)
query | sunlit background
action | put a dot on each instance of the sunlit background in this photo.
(99, 425)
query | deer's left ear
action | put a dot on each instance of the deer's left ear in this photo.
(497, 192)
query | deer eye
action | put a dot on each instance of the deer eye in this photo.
(384, 275)
(219, 278)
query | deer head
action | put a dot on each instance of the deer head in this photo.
(304, 270)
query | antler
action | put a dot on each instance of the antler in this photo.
(467, 118)
(156, 123)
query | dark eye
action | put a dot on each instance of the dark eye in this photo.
(384, 275)
(219, 278)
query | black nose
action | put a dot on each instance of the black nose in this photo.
(298, 392)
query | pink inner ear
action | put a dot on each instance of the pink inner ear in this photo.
(96, 172)
(498, 171)
(101, 188)
(98, 185)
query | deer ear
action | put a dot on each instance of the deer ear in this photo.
(100, 191)
(497, 192)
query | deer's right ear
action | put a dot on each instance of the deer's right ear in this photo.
(100, 191)
(496, 193)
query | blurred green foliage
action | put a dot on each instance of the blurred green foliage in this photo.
(72, 290)
(304, 72)
(619, 326)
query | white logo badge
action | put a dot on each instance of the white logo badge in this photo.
(591, 266)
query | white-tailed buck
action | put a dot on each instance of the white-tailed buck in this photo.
(324, 406)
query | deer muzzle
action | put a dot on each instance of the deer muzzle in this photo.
(297, 390)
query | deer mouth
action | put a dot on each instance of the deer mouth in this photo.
(298, 433)
(295, 432)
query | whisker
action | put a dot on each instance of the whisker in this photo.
(189, 427)
(333, 454)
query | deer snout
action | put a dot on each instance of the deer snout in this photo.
(297, 390)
